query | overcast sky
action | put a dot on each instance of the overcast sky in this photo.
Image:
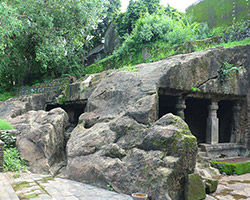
(181, 5)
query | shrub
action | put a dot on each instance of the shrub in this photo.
(12, 160)
(8, 139)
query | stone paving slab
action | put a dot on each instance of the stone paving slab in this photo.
(6, 191)
(44, 187)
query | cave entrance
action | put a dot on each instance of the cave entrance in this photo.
(199, 113)
(74, 110)
(225, 115)
(196, 114)
(167, 104)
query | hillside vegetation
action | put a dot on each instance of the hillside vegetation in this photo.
(38, 44)
(220, 12)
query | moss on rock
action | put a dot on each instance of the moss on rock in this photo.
(194, 187)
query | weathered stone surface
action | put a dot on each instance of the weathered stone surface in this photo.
(111, 39)
(210, 175)
(124, 154)
(41, 139)
(211, 185)
(194, 189)
(20, 105)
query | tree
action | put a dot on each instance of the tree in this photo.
(45, 38)
(113, 8)
(125, 22)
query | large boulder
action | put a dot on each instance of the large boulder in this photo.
(132, 157)
(41, 138)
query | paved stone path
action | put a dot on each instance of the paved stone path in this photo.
(44, 187)
(233, 188)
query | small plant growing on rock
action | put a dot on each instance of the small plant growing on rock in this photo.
(226, 71)
(195, 89)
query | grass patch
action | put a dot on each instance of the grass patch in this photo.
(226, 45)
(31, 196)
(20, 185)
(232, 168)
(5, 125)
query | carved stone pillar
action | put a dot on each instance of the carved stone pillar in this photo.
(212, 131)
(235, 122)
(180, 107)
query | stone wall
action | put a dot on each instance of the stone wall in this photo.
(1, 155)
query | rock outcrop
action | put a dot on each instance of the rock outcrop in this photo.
(120, 126)
(124, 139)
(14, 107)
(41, 138)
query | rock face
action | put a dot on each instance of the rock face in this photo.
(131, 157)
(14, 107)
(41, 139)
(111, 40)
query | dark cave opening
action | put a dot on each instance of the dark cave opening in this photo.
(196, 114)
(225, 114)
(167, 105)
(74, 110)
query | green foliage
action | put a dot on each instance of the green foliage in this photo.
(8, 139)
(5, 125)
(109, 187)
(113, 7)
(92, 69)
(12, 160)
(128, 68)
(225, 45)
(232, 168)
(195, 89)
(219, 12)
(5, 95)
(45, 38)
(125, 22)
(157, 28)
(226, 71)
(160, 50)
(235, 43)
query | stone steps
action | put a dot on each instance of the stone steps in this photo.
(221, 150)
